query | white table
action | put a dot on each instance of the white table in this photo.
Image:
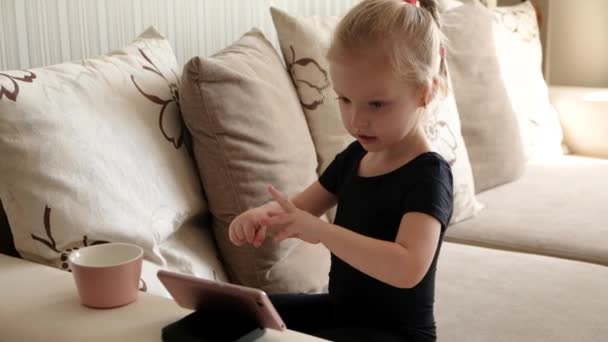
(40, 303)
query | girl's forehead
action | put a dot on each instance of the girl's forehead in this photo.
(360, 68)
(363, 57)
(365, 78)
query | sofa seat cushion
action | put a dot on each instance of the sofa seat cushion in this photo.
(557, 208)
(41, 304)
(492, 295)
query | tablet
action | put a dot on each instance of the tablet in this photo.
(195, 293)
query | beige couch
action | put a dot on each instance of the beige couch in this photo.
(531, 266)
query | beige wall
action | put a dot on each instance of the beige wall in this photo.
(578, 43)
(575, 40)
(34, 33)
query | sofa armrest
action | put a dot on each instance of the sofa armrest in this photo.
(584, 117)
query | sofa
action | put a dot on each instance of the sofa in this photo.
(136, 146)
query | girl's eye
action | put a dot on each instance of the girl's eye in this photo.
(343, 99)
(376, 104)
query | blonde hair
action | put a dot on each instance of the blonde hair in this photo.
(408, 35)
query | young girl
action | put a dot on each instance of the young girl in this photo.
(394, 194)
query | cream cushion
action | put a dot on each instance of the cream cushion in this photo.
(304, 42)
(519, 51)
(248, 132)
(492, 295)
(445, 5)
(489, 125)
(558, 207)
(93, 151)
(41, 304)
(191, 250)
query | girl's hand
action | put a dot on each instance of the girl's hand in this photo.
(292, 222)
(248, 227)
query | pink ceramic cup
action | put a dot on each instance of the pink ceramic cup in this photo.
(107, 275)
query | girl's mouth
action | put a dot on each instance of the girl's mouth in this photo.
(366, 139)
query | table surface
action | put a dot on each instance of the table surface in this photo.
(40, 303)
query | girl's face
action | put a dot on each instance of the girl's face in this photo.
(378, 109)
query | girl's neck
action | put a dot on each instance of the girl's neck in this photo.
(393, 157)
(411, 146)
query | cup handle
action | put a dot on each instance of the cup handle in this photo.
(143, 287)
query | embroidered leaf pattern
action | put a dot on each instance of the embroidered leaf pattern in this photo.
(166, 120)
(312, 88)
(442, 138)
(11, 90)
(50, 242)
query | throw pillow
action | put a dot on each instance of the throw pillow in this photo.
(489, 124)
(445, 5)
(304, 42)
(93, 151)
(248, 132)
(520, 58)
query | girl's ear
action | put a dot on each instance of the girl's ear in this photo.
(436, 85)
(428, 93)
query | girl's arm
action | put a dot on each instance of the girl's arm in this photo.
(314, 200)
(249, 227)
(402, 263)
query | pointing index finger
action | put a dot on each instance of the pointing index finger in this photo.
(283, 202)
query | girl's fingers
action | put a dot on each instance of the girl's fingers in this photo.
(235, 240)
(260, 235)
(272, 213)
(276, 220)
(232, 234)
(249, 232)
(239, 236)
(283, 202)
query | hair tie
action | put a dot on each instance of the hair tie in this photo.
(411, 2)
(442, 51)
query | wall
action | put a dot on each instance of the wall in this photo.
(40, 32)
(575, 40)
(578, 43)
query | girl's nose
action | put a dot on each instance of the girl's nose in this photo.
(359, 120)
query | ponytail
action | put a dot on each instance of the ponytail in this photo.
(431, 7)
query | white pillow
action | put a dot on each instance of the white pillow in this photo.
(304, 42)
(446, 5)
(93, 150)
(520, 55)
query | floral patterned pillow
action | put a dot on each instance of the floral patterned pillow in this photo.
(93, 151)
(304, 42)
(520, 56)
